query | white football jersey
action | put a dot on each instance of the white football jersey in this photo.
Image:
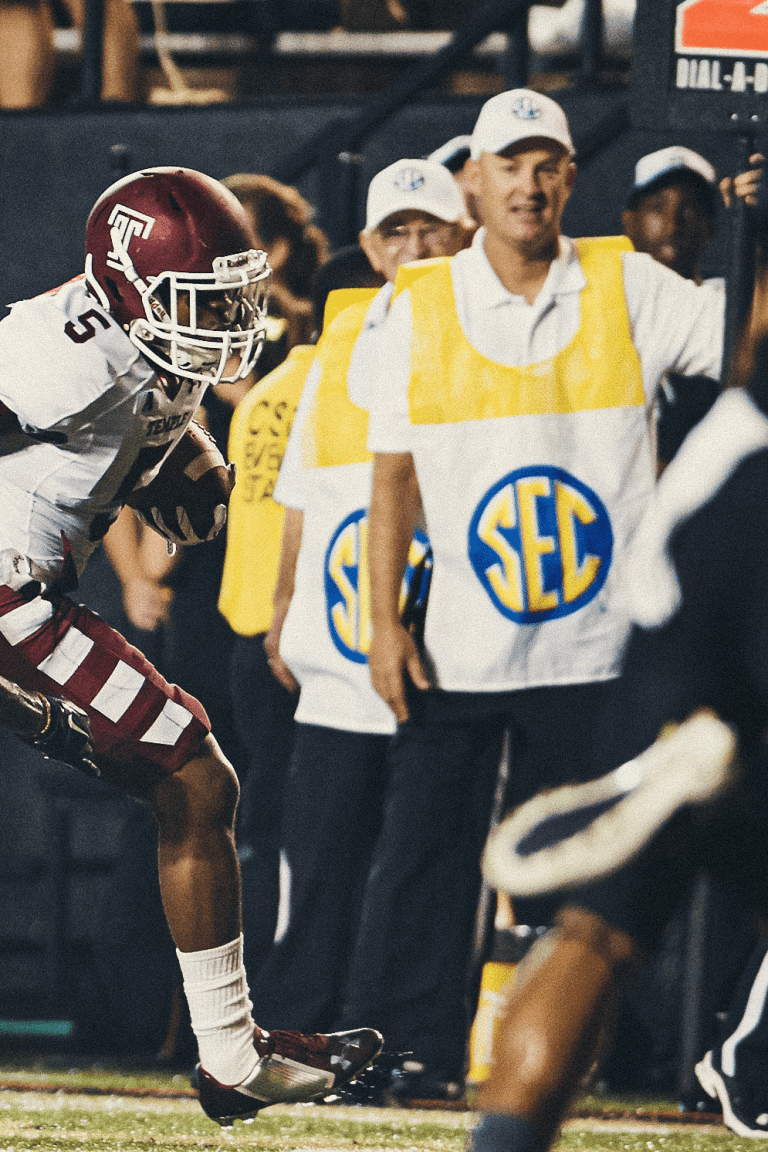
(96, 419)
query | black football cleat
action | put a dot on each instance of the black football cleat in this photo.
(292, 1068)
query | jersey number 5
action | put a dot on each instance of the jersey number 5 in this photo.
(87, 332)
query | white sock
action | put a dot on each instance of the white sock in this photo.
(217, 993)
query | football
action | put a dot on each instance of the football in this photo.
(186, 502)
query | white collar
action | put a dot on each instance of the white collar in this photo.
(564, 277)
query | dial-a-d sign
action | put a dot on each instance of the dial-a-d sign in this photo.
(700, 64)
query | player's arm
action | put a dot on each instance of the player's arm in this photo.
(186, 501)
(293, 527)
(58, 728)
(143, 566)
(395, 506)
(746, 185)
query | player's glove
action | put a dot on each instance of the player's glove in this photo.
(67, 735)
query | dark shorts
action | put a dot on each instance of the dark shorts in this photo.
(61, 648)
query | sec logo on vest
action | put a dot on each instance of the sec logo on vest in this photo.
(541, 544)
(347, 586)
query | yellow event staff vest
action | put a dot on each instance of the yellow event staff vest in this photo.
(336, 430)
(533, 479)
(257, 440)
(326, 635)
(599, 368)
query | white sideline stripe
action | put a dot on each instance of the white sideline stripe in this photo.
(119, 692)
(749, 1020)
(169, 725)
(25, 620)
(67, 656)
(284, 899)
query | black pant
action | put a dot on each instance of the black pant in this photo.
(409, 971)
(263, 713)
(332, 813)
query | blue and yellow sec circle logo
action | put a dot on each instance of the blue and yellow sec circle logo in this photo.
(541, 544)
(347, 585)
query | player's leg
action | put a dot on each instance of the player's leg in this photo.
(151, 739)
(242, 1067)
(565, 997)
(195, 810)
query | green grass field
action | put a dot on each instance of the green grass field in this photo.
(50, 1109)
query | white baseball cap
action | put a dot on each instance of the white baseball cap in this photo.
(423, 185)
(453, 154)
(658, 164)
(518, 115)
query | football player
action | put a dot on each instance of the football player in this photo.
(99, 380)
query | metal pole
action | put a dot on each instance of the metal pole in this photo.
(518, 54)
(93, 44)
(591, 32)
(741, 267)
(695, 998)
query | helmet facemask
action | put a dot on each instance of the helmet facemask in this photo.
(196, 323)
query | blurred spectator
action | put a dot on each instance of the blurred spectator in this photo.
(262, 707)
(296, 248)
(454, 155)
(671, 214)
(28, 53)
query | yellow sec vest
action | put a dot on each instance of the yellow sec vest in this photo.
(257, 440)
(336, 430)
(326, 634)
(451, 381)
(533, 478)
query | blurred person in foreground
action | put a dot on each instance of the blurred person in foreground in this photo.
(283, 225)
(687, 730)
(694, 672)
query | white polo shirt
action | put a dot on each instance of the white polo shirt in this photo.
(582, 469)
